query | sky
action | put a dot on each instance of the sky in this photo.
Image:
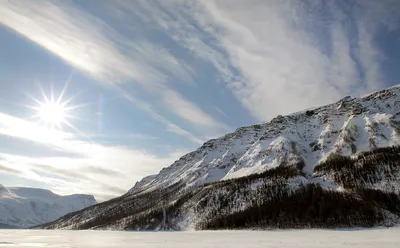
(143, 82)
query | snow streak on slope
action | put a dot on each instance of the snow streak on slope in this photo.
(24, 207)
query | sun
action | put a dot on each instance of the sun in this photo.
(52, 113)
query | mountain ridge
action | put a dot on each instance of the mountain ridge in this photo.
(273, 162)
(352, 105)
(22, 207)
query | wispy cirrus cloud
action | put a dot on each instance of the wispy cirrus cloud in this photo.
(190, 112)
(88, 43)
(287, 54)
(96, 48)
(170, 127)
(177, 19)
(319, 52)
(7, 169)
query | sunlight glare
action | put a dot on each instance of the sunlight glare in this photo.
(52, 113)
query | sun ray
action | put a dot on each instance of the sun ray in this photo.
(80, 105)
(42, 92)
(71, 126)
(31, 97)
(60, 97)
(59, 126)
(24, 105)
(51, 92)
(73, 117)
(66, 102)
(78, 131)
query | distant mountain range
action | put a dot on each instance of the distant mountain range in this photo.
(332, 166)
(26, 207)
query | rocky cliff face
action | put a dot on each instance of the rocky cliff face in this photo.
(25, 207)
(335, 165)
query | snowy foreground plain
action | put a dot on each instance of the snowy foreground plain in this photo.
(308, 238)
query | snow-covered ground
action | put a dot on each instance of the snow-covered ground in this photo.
(283, 239)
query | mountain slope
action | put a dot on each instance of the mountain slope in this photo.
(5, 226)
(25, 207)
(257, 173)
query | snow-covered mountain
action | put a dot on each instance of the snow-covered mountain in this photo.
(25, 207)
(335, 165)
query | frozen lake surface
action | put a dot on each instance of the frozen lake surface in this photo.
(244, 239)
